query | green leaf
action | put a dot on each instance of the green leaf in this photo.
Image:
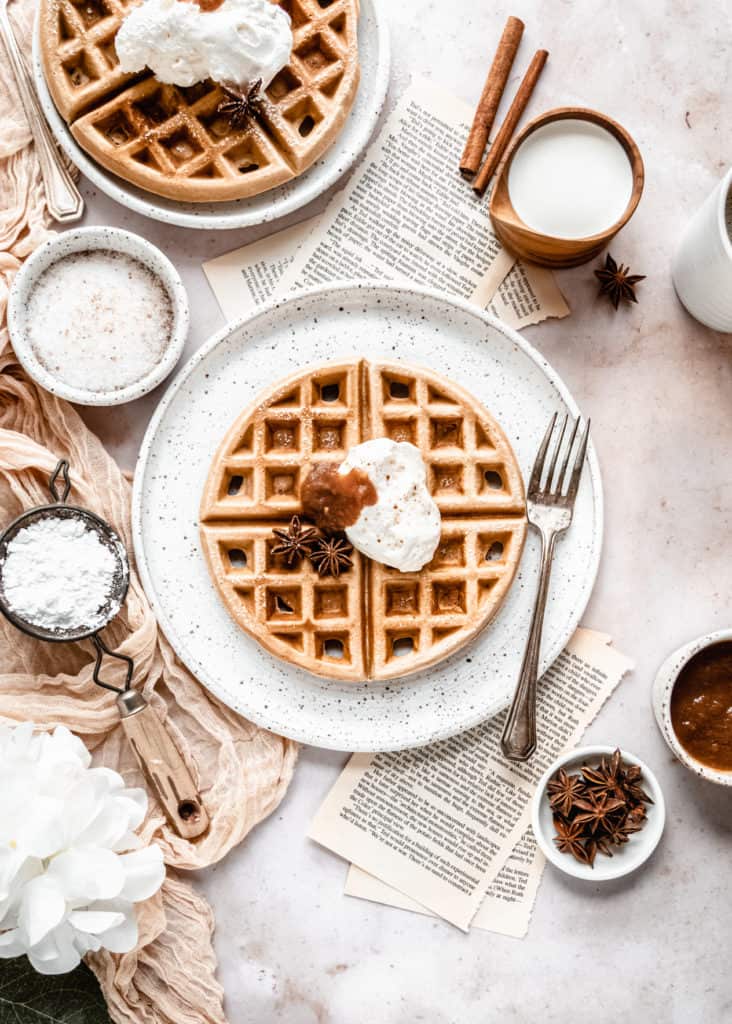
(27, 997)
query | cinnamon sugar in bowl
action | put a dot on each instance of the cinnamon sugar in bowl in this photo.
(98, 316)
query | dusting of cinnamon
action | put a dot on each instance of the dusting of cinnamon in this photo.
(701, 707)
(333, 500)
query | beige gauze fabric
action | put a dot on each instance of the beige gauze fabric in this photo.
(242, 770)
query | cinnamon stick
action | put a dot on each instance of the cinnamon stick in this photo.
(495, 83)
(515, 111)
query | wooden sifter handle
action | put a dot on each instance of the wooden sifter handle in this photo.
(162, 765)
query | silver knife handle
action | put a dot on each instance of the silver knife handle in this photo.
(63, 198)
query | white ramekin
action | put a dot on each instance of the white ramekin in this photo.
(82, 240)
(627, 857)
(663, 686)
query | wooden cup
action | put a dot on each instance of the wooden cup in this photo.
(547, 250)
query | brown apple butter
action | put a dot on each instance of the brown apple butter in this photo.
(334, 500)
(701, 707)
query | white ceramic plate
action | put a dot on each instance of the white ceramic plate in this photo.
(413, 324)
(373, 46)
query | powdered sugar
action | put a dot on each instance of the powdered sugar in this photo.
(58, 575)
(99, 320)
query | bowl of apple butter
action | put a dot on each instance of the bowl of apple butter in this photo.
(692, 702)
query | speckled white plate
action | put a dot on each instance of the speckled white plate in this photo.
(338, 321)
(374, 56)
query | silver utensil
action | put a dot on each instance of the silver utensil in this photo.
(62, 196)
(549, 510)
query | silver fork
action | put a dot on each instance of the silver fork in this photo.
(63, 198)
(549, 510)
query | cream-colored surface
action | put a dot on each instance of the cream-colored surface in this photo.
(371, 611)
(172, 141)
(657, 384)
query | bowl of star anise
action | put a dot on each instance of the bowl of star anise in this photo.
(598, 813)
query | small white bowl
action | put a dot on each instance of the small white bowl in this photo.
(626, 858)
(663, 686)
(83, 240)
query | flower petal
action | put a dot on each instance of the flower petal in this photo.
(42, 907)
(57, 954)
(144, 873)
(88, 873)
(123, 937)
(95, 921)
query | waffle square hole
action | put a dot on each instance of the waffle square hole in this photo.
(238, 557)
(448, 598)
(446, 433)
(330, 390)
(328, 437)
(304, 116)
(238, 484)
(402, 430)
(80, 72)
(217, 125)
(490, 478)
(181, 147)
(193, 93)
(398, 389)
(116, 129)
(245, 157)
(316, 53)
(491, 548)
(283, 603)
(402, 599)
(281, 435)
(437, 397)
(91, 11)
(446, 479)
(330, 86)
(109, 53)
(450, 553)
(401, 643)
(283, 84)
(282, 482)
(332, 647)
(155, 109)
(482, 437)
(330, 602)
(146, 158)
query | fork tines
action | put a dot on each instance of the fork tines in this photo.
(565, 482)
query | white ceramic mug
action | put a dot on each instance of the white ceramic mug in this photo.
(663, 687)
(702, 267)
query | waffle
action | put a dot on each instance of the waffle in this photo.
(371, 622)
(172, 141)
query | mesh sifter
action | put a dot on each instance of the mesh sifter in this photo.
(157, 755)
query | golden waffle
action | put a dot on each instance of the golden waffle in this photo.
(172, 141)
(372, 621)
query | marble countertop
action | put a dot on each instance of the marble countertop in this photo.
(658, 386)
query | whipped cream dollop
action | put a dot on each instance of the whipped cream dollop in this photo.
(402, 529)
(235, 44)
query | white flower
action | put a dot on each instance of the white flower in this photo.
(71, 866)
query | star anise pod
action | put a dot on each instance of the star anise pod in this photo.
(330, 555)
(596, 811)
(616, 283)
(563, 791)
(569, 839)
(296, 542)
(239, 109)
(635, 794)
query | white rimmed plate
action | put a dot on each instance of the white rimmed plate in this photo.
(417, 325)
(374, 57)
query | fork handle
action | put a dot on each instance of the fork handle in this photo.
(63, 198)
(518, 741)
